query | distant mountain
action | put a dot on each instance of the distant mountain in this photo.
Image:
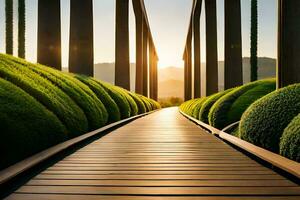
(170, 73)
(170, 88)
(106, 72)
(171, 78)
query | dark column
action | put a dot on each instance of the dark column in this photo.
(288, 69)
(189, 70)
(155, 84)
(151, 69)
(139, 46)
(197, 49)
(185, 75)
(81, 50)
(211, 48)
(233, 44)
(145, 59)
(9, 26)
(49, 33)
(122, 64)
(21, 28)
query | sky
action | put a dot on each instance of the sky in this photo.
(168, 20)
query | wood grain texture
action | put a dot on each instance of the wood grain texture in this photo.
(160, 156)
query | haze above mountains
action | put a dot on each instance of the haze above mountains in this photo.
(170, 79)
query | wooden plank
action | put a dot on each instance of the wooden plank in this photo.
(275, 159)
(156, 172)
(28, 163)
(161, 177)
(176, 159)
(22, 196)
(160, 190)
(162, 183)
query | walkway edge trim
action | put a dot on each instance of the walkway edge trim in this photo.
(26, 164)
(285, 164)
(211, 129)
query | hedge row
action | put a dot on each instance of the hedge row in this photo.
(269, 122)
(226, 107)
(41, 107)
(268, 118)
(230, 107)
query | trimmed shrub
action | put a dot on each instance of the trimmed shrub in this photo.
(209, 102)
(265, 120)
(185, 107)
(119, 99)
(190, 106)
(27, 127)
(49, 95)
(197, 106)
(146, 103)
(133, 107)
(110, 105)
(140, 104)
(85, 98)
(290, 140)
(230, 107)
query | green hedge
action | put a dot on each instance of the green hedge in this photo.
(197, 106)
(27, 127)
(110, 105)
(133, 107)
(265, 120)
(209, 102)
(41, 107)
(92, 107)
(140, 104)
(230, 107)
(146, 103)
(290, 140)
(120, 100)
(48, 94)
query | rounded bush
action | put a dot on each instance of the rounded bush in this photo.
(208, 103)
(139, 103)
(290, 140)
(27, 127)
(197, 106)
(146, 103)
(54, 99)
(91, 105)
(129, 99)
(230, 107)
(85, 98)
(110, 105)
(265, 120)
(186, 106)
(119, 99)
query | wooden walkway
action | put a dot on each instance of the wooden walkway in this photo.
(160, 156)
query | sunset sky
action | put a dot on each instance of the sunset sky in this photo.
(168, 20)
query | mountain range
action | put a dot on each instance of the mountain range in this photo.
(170, 79)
